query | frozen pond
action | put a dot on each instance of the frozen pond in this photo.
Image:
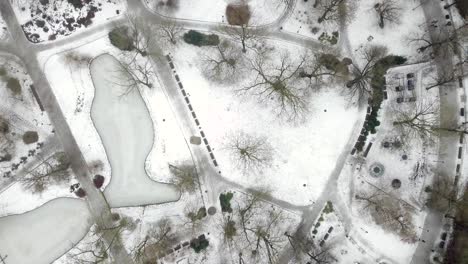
(126, 130)
(45, 233)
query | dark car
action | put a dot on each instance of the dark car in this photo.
(410, 85)
(410, 75)
(399, 100)
(398, 89)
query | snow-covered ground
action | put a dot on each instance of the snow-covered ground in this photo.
(262, 11)
(76, 97)
(413, 171)
(22, 111)
(305, 154)
(304, 21)
(4, 34)
(44, 234)
(50, 20)
(364, 28)
(17, 200)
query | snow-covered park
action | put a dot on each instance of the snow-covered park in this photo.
(232, 131)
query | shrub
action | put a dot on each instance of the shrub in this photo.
(76, 3)
(120, 38)
(30, 137)
(199, 39)
(198, 216)
(199, 244)
(80, 193)
(225, 200)
(230, 229)
(98, 180)
(328, 207)
(333, 39)
(4, 125)
(14, 85)
(331, 62)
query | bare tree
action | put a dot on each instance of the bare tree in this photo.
(444, 194)
(280, 84)
(250, 153)
(158, 240)
(418, 121)
(169, 30)
(441, 41)
(185, 177)
(194, 214)
(328, 9)
(390, 213)
(388, 11)
(52, 171)
(97, 246)
(223, 65)
(247, 35)
(317, 68)
(134, 73)
(442, 78)
(142, 34)
(304, 248)
(359, 86)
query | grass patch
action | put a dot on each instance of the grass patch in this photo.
(199, 39)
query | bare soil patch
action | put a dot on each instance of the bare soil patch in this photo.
(238, 14)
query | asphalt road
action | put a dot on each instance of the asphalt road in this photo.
(448, 118)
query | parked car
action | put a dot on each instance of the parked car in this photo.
(400, 100)
(410, 75)
(398, 88)
(412, 99)
(410, 85)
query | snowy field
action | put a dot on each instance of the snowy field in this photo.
(306, 153)
(125, 127)
(364, 28)
(50, 20)
(169, 145)
(262, 11)
(44, 234)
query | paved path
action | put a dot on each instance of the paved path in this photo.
(97, 203)
(448, 118)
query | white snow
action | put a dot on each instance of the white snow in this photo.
(304, 154)
(262, 11)
(17, 200)
(44, 234)
(394, 37)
